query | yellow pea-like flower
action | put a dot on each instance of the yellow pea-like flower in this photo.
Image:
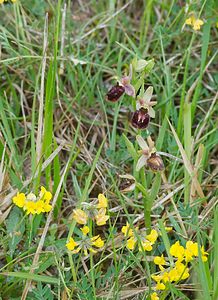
(160, 286)
(102, 201)
(101, 218)
(195, 23)
(19, 200)
(97, 241)
(80, 216)
(177, 250)
(154, 296)
(126, 230)
(71, 244)
(131, 243)
(85, 230)
(152, 237)
(160, 260)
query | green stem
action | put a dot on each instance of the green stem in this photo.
(147, 203)
(187, 146)
(188, 53)
(31, 230)
(73, 272)
(91, 261)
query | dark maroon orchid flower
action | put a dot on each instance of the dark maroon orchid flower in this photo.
(140, 118)
(115, 93)
(123, 86)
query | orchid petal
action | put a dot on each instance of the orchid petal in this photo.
(130, 72)
(125, 80)
(129, 90)
(138, 105)
(148, 94)
(151, 112)
(142, 143)
(141, 162)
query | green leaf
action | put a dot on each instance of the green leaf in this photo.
(130, 147)
(15, 228)
(215, 275)
(34, 277)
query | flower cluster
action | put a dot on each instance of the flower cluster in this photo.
(94, 211)
(145, 241)
(168, 273)
(179, 270)
(32, 204)
(195, 23)
(85, 243)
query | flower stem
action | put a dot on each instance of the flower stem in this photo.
(147, 203)
(91, 261)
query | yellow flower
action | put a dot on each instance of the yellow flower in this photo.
(182, 270)
(126, 230)
(80, 216)
(188, 21)
(85, 244)
(94, 211)
(131, 243)
(39, 207)
(195, 23)
(71, 244)
(97, 241)
(85, 230)
(152, 237)
(32, 204)
(45, 195)
(165, 277)
(154, 296)
(102, 201)
(47, 207)
(144, 241)
(160, 286)
(179, 272)
(19, 199)
(204, 254)
(101, 218)
(160, 261)
(191, 250)
(177, 250)
(157, 278)
(147, 246)
(30, 207)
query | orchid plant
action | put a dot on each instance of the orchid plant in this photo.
(142, 104)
